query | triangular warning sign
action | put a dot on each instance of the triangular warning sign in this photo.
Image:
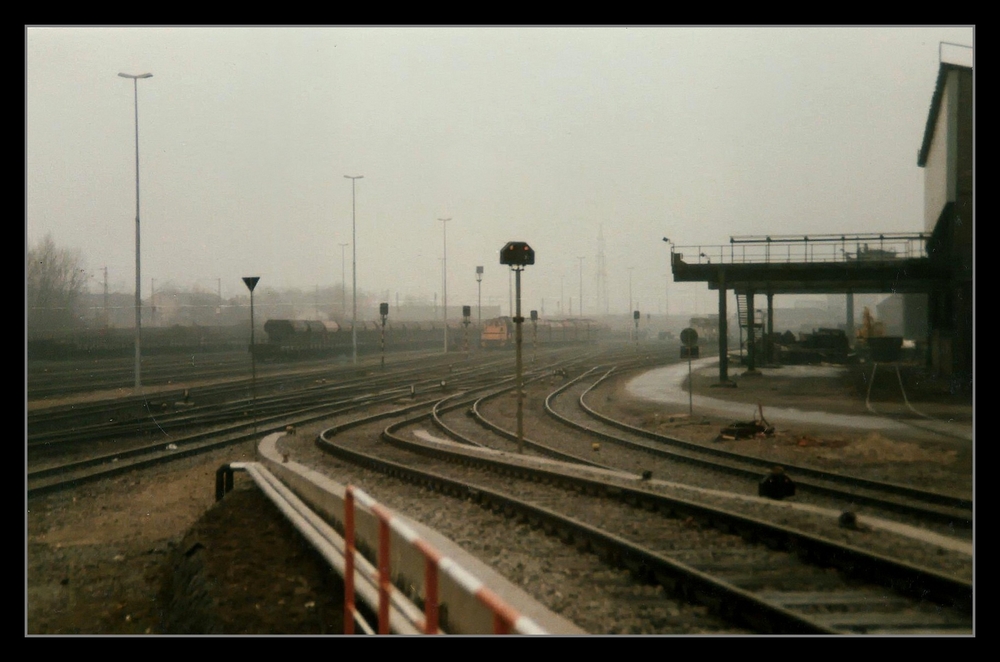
(251, 281)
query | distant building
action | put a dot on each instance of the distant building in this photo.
(904, 315)
(946, 157)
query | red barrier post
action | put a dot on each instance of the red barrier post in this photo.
(504, 617)
(349, 561)
(384, 583)
(499, 624)
(431, 600)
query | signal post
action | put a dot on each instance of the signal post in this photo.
(466, 314)
(518, 254)
(383, 312)
(534, 331)
(689, 350)
(251, 283)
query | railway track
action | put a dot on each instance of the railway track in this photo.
(474, 402)
(849, 492)
(61, 458)
(904, 412)
(682, 552)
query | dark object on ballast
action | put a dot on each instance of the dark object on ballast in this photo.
(848, 520)
(776, 485)
(745, 430)
(757, 427)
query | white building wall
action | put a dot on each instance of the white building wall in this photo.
(939, 170)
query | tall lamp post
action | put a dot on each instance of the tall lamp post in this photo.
(354, 268)
(444, 267)
(343, 284)
(581, 285)
(138, 300)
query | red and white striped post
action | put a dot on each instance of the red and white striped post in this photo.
(384, 580)
(505, 618)
(431, 612)
(349, 561)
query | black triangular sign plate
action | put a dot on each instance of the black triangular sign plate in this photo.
(251, 281)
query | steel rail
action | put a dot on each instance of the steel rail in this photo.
(899, 576)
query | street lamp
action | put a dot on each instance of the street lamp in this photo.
(138, 299)
(354, 268)
(581, 285)
(343, 285)
(444, 266)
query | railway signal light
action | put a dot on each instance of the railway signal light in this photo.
(689, 337)
(517, 253)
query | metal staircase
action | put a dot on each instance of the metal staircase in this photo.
(743, 315)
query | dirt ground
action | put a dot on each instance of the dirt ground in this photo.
(152, 553)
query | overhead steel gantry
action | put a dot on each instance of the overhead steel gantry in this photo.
(863, 263)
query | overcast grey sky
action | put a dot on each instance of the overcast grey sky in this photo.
(544, 135)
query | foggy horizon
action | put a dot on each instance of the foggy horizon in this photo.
(546, 135)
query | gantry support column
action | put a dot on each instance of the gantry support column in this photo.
(751, 335)
(723, 333)
(850, 318)
(769, 344)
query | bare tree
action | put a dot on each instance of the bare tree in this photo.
(54, 280)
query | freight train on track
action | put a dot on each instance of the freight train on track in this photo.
(291, 339)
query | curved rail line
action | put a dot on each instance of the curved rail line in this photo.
(932, 506)
(903, 419)
(767, 612)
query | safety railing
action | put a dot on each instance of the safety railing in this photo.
(506, 619)
(853, 248)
